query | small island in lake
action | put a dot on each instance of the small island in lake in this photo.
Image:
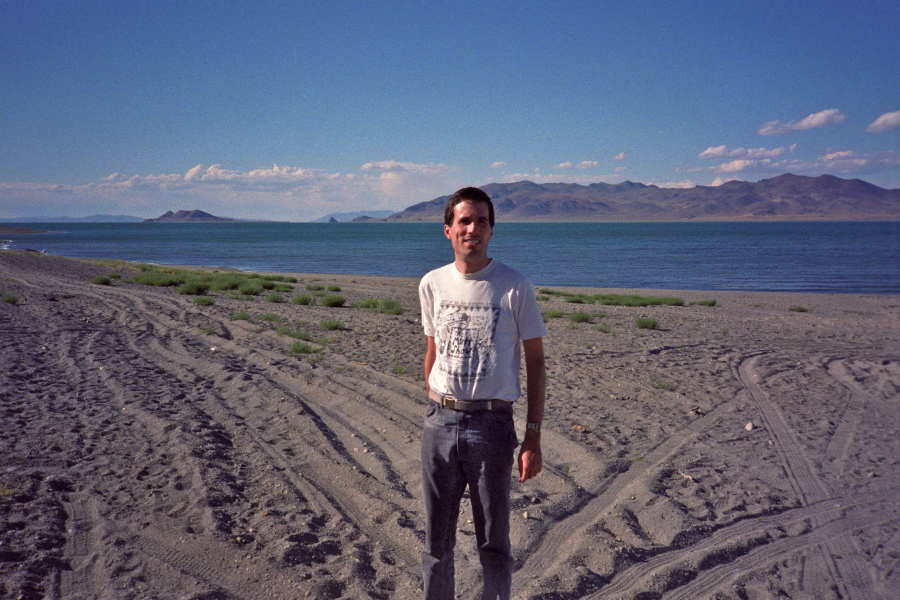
(189, 216)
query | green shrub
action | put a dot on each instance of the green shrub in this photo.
(294, 333)
(646, 323)
(160, 279)
(798, 309)
(613, 299)
(300, 348)
(193, 288)
(382, 305)
(705, 303)
(661, 384)
(334, 288)
(303, 300)
(332, 324)
(227, 281)
(314, 287)
(101, 280)
(9, 298)
(580, 317)
(553, 314)
(332, 300)
(204, 301)
(276, 298)
(240, 316)
(283, 287)
(272, 318)
(250, 288)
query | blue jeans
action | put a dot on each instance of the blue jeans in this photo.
(473, 449)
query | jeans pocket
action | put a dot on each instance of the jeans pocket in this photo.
(431, 409)
(501, 416)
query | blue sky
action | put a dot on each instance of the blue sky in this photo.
(293, 110)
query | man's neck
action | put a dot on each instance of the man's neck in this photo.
(467, 268)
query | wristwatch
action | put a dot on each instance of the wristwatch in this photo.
(533, 426)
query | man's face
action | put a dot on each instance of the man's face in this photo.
(470, 233)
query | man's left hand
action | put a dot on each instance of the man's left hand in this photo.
(530, 460)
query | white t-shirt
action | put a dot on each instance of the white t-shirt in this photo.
(478, 322)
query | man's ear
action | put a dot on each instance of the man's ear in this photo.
(447, 231)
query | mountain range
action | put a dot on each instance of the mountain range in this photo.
(786, 197)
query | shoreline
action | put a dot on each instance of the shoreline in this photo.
(253, 449)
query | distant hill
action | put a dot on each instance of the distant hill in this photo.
(786, 197)
(189, 216)
(88, 219)
(361, 215)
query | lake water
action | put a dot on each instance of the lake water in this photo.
(828, 257)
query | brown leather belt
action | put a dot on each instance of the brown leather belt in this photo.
(466, 405)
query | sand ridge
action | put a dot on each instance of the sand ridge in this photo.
(154, 448)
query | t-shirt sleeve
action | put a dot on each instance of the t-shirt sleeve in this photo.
(530, 322)
(426, 300)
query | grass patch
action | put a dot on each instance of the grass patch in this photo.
(315, 287)
(9, 298)
(798, 309)
(334, 288)
(298, 334)
(332, 300)
(704, 303)
(101, 280)
(240, 316)
(332, 325)
(662, 384)
(553, 314)
(300, 347)
(400, 370)
(613, 299)
(275, 298)
(381, 305)
(250, 288)
(193, 288)
(303, 300)
(603, 328)
(580, 317)
(272, 318)
(646, 323)
(204, 301)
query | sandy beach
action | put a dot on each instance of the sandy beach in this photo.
(152, 447)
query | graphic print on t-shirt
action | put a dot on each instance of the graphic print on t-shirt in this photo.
(465, 339)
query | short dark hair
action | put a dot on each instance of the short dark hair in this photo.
(468, 194)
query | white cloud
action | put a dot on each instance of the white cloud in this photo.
(585, 164)
(844, 163)
(620, 156)
(499, 165)
(686, 184)
(278, 193)
(885, 122)
(832, 116)
(752, 153)
(720, 180)
(736, 166)
(620, 169)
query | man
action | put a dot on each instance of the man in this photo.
(478, 316)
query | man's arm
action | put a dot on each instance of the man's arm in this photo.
(530, 460)
(430, 357)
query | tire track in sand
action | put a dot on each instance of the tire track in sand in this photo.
(850, 574)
